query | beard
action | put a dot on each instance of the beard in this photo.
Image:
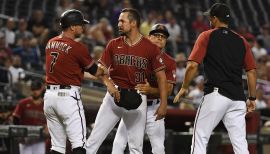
(121, 32)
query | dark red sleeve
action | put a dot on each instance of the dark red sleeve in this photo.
(171, 71)
(199, 50)
(156, 59)
(249, 62)
(18, 112)
(106, 58)
(84, 57)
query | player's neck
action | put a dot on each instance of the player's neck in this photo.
(133, 38)
(220, 24)
(66, 34)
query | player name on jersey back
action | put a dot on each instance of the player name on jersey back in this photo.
(56, 45)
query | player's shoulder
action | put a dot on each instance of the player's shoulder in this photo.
(53, 39)
(168, 60)
(208, 32)
(119, 39)
(167, 56)
(25, 101)
(237, 34)
(148, 42)
(116, 41)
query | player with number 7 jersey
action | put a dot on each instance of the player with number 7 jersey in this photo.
(66, 62)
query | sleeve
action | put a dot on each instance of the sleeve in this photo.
(106, 58)
(84, 57)
(199, 50)
(171, 72)
(18, 111)
(249, 62)
(157, 62)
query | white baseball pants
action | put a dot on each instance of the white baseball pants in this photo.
(214, 108)
(154, 129)
(38, 148)
(65, 117)
(108, 116)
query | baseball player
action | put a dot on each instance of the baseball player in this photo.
(155, 129)
(66, 61)
(225, 54)
(29, 111)
(128, 58)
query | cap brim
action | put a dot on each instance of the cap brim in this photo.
(86, 21)
(159, 31)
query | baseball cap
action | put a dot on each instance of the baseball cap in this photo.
(159, 28)
(220, 10)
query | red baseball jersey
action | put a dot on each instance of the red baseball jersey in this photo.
(30, 113)
(170, 73)
(127, 64)
(66, 61)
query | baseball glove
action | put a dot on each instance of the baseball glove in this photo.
(129, 100)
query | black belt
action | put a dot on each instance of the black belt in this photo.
(60, 86)
(125, 89)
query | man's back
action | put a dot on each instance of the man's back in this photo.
(224, 54)
(65, 61)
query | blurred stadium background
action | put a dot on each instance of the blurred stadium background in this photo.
(26, 26)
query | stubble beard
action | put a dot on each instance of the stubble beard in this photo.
(123, 33)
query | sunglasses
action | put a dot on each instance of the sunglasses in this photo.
(158, 35)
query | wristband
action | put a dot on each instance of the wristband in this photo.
(252, 98)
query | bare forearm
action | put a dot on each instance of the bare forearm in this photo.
(162, 85)
(191, 71)
(155, 91)
(251, 81)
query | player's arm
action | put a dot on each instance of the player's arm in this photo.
(250, 66)
(148, 89)
(162, 86)
(96, 70)
(191, 71)
(251, 82)
(197, 54)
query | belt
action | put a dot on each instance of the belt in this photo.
(58, 87)
(150, 103)
(125, 89)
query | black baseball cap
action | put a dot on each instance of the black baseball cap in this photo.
(220, 10)
(159, 28)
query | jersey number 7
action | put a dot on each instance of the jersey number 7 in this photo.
(55, 56)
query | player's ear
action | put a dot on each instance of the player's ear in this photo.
(133, 23)
(72, 28)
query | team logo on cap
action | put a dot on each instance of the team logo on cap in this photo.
(160, 27)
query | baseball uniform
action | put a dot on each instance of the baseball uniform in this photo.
(225, 53)
(29, 113)
(66, 61)
(154, 129)
(128, 66)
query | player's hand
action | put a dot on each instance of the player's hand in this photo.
(161, 112)
(251, 106)
(114, 92)
(144, 88)
(180, 94)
